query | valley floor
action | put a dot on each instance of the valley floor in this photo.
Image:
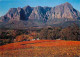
(41, 48)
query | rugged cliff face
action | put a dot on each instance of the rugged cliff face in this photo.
(44, 13)
(41, 15)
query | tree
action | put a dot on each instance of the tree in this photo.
(43, 34)
(70, 33)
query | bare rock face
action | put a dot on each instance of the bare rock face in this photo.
(15, 14)
(12, 13)
(21, 14)
(63, 11)
(69, 11)
(28, 11)
(39, 13)
(43, 13)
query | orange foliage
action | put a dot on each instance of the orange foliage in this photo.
(33, 34)
(39, 43)
(21, 37)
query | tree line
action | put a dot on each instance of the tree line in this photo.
(48, 33)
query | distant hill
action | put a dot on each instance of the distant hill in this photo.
(39, 16)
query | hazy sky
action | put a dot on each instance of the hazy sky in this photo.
(5, 5)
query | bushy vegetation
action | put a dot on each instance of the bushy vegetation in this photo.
(48, 33)
(68, 33)
(41, 48)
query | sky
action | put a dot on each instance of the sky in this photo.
(5, 5)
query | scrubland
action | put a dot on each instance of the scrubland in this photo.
(41, 48)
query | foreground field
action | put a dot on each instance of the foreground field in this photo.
(41, 48)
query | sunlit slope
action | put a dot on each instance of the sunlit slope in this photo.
(41, 48)
(38, 43)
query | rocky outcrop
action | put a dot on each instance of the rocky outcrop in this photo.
(63, 11)
(16, 14)
(43, 13)
(28, 11)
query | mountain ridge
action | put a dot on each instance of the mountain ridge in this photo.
(60, 11)
(38, 16)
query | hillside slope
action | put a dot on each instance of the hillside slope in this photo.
(39, 16)
(62, 11)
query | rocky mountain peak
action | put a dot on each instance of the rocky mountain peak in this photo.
(67, 3)
(62, 11)
(26, 7)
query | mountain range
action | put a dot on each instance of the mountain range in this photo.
(39, 16)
